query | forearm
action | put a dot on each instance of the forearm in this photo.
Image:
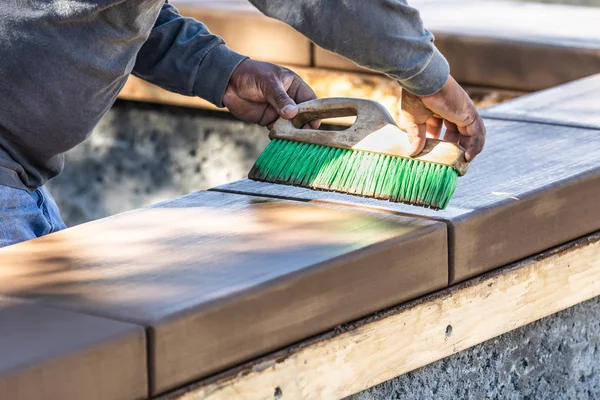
(182, 56)
(383, 35)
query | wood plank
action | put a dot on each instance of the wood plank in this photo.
(247, 31)
(47, 353)
(136, 89)
(534, 186)
(325, 83)
(376, 349)
(573, 104)
(506, 45)
(219, 279)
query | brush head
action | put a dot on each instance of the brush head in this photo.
(356, 172)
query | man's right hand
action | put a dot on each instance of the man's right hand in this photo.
(423, 117)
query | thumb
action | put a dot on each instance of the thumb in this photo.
(278, 98)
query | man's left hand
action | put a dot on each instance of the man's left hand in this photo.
(261, 92)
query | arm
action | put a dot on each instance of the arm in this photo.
(182, 56)
(388, 36)
(366, 32)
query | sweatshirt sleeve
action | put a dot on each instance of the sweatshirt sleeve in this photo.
(382, 35)
(182, 56)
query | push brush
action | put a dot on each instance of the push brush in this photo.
(369, 159)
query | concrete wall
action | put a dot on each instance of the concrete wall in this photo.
(555, 358)
(143, 153)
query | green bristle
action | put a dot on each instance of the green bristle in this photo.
(349, 171)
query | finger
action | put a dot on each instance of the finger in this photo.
(467, 142)
(269, 117)
(246, 110)
(474, 146)
(279, 99)
(416, 137)
(305, 93)
(299, 90)
(434, 127)
(314, 124)
(452, 134)
(452, 137)
(475, 133)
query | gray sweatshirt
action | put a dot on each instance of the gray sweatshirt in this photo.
(63, 62)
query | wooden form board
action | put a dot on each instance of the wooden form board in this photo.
(331, 79)
(392, 343)
(247, 31)
(218, 279)
(486, 43)
(46, 353)
(534, 186)
(325, 83)
(501, 44)
(573, 104)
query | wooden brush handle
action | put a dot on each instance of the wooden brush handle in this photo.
(374, 131)
(370, 116)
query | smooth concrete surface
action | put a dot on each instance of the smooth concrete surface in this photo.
(221, 278)
(534, 186)
(506, 44)
(557, 358)
(46, 353)
(573, 104)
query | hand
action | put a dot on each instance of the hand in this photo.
(423, 117)
(261, 92)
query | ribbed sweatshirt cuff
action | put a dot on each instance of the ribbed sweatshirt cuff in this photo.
(214, 73)
(431, 79)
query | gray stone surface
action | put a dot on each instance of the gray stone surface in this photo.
(141, 154)
(555, 358)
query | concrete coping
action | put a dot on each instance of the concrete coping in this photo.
(217, 279)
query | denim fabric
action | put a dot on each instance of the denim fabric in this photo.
(25, 216)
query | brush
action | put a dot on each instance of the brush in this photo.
(371, 158)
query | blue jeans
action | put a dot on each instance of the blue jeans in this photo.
(25, 216)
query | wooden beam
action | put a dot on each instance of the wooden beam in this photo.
(325, 83)
(374, 350)
(138, 90)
